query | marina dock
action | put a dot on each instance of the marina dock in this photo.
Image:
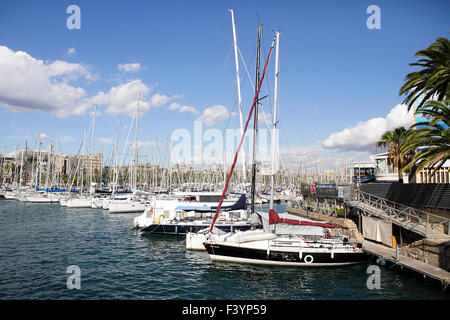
(384, 252)
(423, 268)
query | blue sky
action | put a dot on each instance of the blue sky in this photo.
(335, 73)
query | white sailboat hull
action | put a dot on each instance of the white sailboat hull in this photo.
(194, 241)
(34, 199)
(128, 207)
(97, 203)
(79, 203)
(9, 196)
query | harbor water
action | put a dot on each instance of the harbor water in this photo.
(38, 243)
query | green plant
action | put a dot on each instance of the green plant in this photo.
(430, 143)
(340, 212)
(433, 80)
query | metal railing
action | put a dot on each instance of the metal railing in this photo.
(409, 217)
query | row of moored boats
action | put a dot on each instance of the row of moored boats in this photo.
(237, 235)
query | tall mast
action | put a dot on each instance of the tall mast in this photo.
(92, 149)
(255, 120)
(49, 165)
(134, 183)
(55, 165)
(32, 168)
(167, 162)
(101, 164)
(82, 163)
(238, 81)
(38, 176)
(155, 178)
(274, 129)
(241, 141)
(21, 167)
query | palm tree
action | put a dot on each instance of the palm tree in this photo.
(393, 140)
(433, 81)
(431, 140)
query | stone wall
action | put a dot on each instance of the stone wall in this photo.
(432, 251)
(348, 227)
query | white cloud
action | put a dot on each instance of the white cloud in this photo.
(43, 136)
(130, 67)
(174, 106)
(214, 114)
(363, 136)
(28, 84)
(188, 109)
(71, 51)
(123, 99)
(182, 109)
(158, 100)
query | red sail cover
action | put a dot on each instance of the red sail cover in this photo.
(274, 218)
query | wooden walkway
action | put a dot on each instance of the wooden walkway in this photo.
(424, 268)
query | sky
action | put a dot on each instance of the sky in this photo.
(338, 80)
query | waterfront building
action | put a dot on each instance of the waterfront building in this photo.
(21, 165)
(440, 176)
(377, 170)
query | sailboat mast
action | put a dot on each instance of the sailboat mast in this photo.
(82, 163)
(238, 81)
(116, 166)
(274, 129)
(255, 121)
(101, 165)
(21, 168)
(38, 176)
(134, 183)
(92, 149)
(241, 141)
(155, 177)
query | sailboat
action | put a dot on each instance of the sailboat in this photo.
(192, 214)
(195, 238)
(82, 200)
(282, 241)
(137, 202)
